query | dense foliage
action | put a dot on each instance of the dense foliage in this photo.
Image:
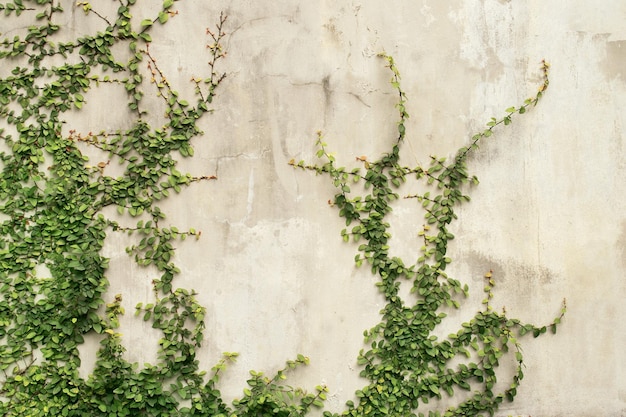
(53, 276)
(406, 364)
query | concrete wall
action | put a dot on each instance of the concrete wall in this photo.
(548, 217)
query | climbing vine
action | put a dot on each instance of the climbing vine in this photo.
(55, 206)
(53, 277)
(406, 364)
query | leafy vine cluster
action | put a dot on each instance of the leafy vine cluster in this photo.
(52, 200)
(53, 277)
(406, 364)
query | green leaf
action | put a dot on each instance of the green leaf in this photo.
(146, 23)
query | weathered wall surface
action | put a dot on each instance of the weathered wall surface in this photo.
(548, 217)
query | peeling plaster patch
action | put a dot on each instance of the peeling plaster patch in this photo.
(600, 16)
(472, 47)
(426, 11)
(615, 65)
(487, 30)
(372, 49)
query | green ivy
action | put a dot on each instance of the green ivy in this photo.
(52, 200)
(406, 364)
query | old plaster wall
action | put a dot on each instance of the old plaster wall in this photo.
(548, 217)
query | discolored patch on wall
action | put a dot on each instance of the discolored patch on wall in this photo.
(615, 64)
(621, 244)
(507, 269)
(334, 35)
(524, 282)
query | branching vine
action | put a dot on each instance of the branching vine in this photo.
(51, 203)
(53, 277)
(406, 364)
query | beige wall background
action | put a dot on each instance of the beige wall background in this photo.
(548, 217)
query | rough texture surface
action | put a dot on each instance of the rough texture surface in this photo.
(548, 217)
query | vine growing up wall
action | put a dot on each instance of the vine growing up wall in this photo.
(405, 363)
(53, 278)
